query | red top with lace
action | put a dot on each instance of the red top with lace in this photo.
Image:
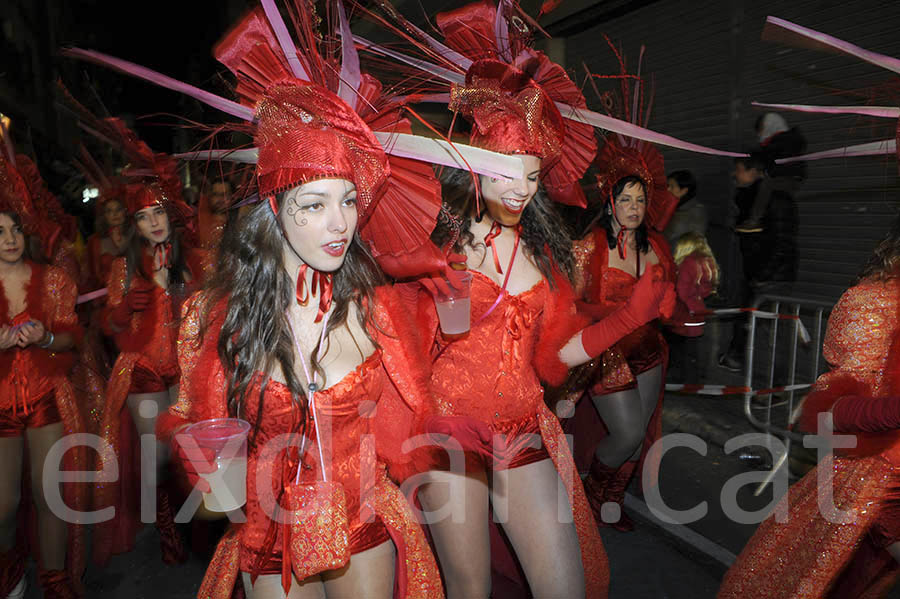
(151, 332)
(49, 298)
(604, 289)
(494, 373)
(345, 408)
(509, 389)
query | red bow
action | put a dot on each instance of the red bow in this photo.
(495, 231)
(322, 284)
(162, 256)
(620, 242)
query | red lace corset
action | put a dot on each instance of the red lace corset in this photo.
(345, 408)
(489, 373)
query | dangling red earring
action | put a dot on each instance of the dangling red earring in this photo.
(273, 205)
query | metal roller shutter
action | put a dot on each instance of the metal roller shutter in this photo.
(708, 62)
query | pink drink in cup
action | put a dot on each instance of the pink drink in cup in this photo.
(227, 437)
(454, 308)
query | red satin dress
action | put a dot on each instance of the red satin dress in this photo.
(603, 290)
(352, 408)
(147, 363)
(35, 390)
(807, 556)
(494, 374)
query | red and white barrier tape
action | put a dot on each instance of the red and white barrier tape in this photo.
(801, 329)
(730, 389)
(91, 296)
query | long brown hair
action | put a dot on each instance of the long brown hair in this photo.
(33, 249)
(256, 332)
(542, 226)
(884, 264)
(135, 244)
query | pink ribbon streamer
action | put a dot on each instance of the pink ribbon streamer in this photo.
(887, 112)
(350, 73)
(129, 68)
(284, 39)
(885, 62)
(872, 148)
(81, 299)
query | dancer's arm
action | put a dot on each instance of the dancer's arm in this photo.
(650, 300)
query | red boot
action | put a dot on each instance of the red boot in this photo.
(596, 487)
(56, 584)
(12, 573)
(170, 541)
(616, 493)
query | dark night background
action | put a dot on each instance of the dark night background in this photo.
(706, 59)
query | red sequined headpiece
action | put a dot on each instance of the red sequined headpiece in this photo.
(305, 132)
(510, 113)
(144, 195)
(523, 119)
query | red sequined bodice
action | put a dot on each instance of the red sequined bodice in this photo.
(343, 412)
(489, 373)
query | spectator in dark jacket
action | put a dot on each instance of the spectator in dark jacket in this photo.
(769, 255)
(776, 140)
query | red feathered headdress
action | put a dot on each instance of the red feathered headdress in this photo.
(642, 160)
(268, 63)
(510, 94)
(509, 112)
(16, 196)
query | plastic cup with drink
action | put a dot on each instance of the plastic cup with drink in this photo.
(454, 306)
(227, 438)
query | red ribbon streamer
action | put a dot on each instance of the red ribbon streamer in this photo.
(322, 284)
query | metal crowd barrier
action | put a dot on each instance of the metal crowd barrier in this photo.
(815, 312)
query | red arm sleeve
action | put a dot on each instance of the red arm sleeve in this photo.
(559, 323)
(866, 414)
(115, 294)
(689, 283)
(64, 293)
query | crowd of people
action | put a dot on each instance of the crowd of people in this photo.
(386, 454)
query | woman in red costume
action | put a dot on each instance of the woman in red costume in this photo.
(297, 264)
(627, 382)
(524, 330)
(109, 241)
(298, 335)
(38, 331)
(146, 286)
(813, 552)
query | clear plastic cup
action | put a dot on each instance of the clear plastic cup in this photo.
(454, 308)
(227, 437)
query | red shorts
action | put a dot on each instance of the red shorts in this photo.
(37, 412)
(147, 379)
(517, 453)
(363, 536)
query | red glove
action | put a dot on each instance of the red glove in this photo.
(470, 433)
(648, 301)
(439, 284)
(136, 300)
(194, 460)
(866, 414)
